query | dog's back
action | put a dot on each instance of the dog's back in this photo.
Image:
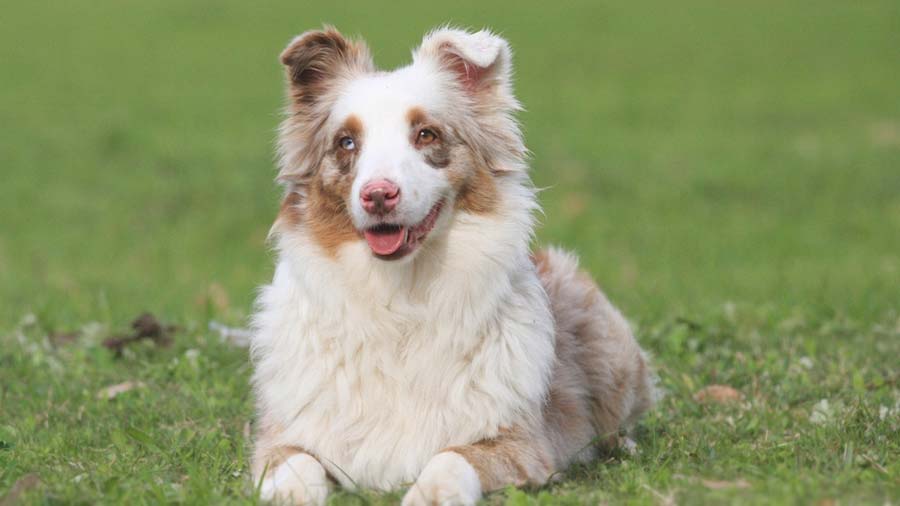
(598, 359)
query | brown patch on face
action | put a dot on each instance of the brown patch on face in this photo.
(436, 149)
(327, 213)
(327, 216)
(478, 193)
(319, 203)
(352, 128)
(323, 213)
(438, 156)
(475, 187)
(416, 116)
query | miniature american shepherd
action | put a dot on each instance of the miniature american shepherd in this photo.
(410, 337)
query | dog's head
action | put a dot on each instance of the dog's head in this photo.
(392, 158)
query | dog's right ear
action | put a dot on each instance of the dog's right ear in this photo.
(316, 63)
(316, 59)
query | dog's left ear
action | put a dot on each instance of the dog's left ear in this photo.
(480, 61)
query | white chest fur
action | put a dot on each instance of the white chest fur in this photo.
(374, 367)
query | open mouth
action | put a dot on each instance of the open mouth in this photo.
(389, 241)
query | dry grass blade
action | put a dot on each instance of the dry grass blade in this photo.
(719, 394)
(113, 391)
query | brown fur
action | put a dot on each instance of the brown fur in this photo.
(603, 349)
(478, 194)
(327, 213)
(352, 128)
(322, 211)
(314, 58)
(316, 64)
(417, 118)
(600, 385)
(471, 178)
(315, 170)
(514, 457)
(267, 456)
(328, 218)
(320, 204)
(439, 157)
(437, 153)
(289, 215)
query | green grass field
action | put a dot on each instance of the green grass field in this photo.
(729, 172)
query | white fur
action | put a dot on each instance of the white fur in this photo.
(376, 366)
(382, 102)
(373, 366)
(481, 48)
(300, 480)
(448, 479)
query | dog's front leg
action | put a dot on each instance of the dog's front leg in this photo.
(300, 479)
(459, 475)
(287, 474)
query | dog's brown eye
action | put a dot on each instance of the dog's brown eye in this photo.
(347, 143)
(426, 136)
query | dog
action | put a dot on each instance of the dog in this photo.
(410, 337)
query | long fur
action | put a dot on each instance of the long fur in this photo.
(385, 372)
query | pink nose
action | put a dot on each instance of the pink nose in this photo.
(380, 196)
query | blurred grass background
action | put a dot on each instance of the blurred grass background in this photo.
(692, 152)
(729, 171)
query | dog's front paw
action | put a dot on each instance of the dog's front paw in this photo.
(447, 480)
(301, 479)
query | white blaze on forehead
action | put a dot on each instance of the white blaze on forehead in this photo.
(382, 103)
(384, 99)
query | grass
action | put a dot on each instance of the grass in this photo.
(730, 172)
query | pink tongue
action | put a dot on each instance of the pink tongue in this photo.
(386, 243)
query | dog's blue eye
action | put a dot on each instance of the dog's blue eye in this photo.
(347, 143)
